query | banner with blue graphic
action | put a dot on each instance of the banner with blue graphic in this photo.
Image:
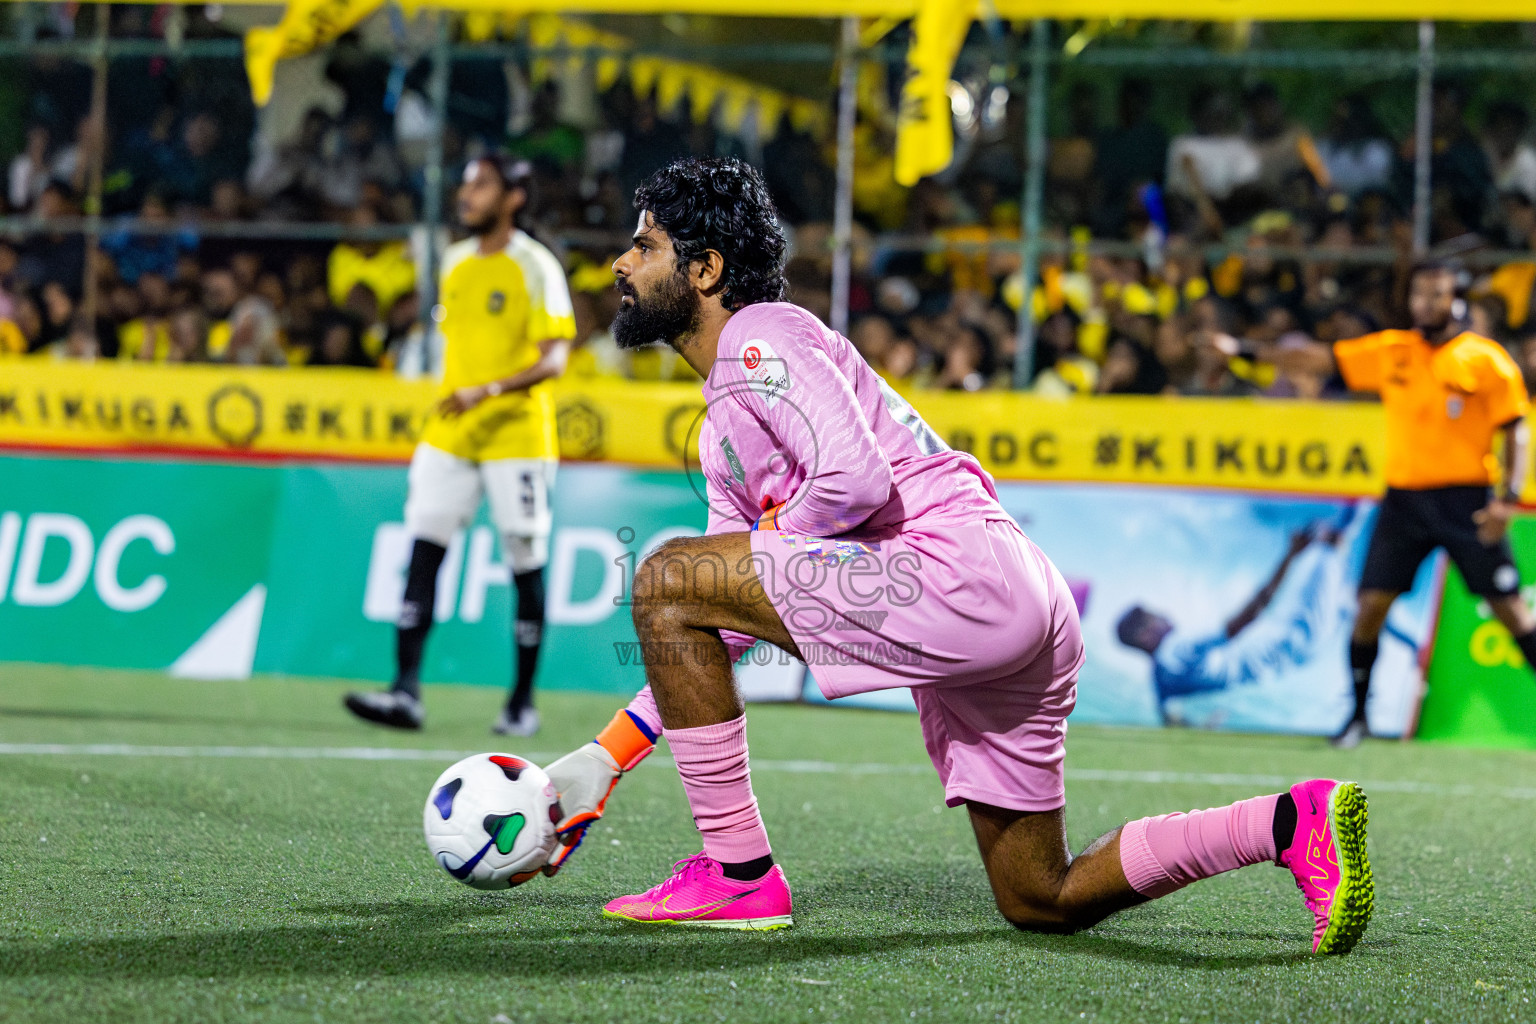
(1222, 610)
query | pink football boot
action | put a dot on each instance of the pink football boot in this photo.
(1327, 856)
(698, 894)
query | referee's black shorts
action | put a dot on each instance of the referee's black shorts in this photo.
(1412, 524)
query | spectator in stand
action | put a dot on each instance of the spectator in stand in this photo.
(1063, 369)
(196, 162)
(873, 335)
(30, 170)
(13, 340)
(144, 334)
(10, 262)
(1355, 150)
(1525, 354)
(1071, 160)
(79, 342)
(1459, 169)
(57, 257)
(284, 181)
(362, 158)
(220, 292)
(188, 332)
(1213, 376)
(58, 310)
(138, 253)
(72, 163)
(26, 318)
(1208, 168)
(340, 343)
(1128, 157)
(243, 328)
(968, 361)
(385, 267)
(1282, 146)
(1511, 156)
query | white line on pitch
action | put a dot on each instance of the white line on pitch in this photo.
(1154, 778)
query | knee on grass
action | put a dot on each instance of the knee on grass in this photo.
(1054, 917)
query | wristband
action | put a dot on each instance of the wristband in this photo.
(494, 388)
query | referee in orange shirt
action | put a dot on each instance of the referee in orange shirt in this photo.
(1447, 394)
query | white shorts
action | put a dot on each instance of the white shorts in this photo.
(445, 493)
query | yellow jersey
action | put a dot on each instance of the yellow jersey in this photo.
(497, 309)
(1443, 403)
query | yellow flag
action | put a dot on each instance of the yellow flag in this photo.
(306, 24)
(924, 139)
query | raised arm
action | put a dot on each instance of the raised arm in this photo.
(1251, 611)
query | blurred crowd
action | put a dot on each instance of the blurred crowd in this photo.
(1242, 231)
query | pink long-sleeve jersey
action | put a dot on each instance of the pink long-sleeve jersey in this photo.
(795, 416)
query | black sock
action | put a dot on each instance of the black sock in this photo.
(527, 636)
(1361, 658)
(416, 610)
(1528, 648)
(1285, 823)
(752, 870)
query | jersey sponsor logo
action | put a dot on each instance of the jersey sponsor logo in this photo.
(497, 302)
(737, 469)
(766, 372)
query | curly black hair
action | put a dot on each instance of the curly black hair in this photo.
(721, 203)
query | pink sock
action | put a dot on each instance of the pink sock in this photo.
(1168, 852)
(712, 759)
(643, 707)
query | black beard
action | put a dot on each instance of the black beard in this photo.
(478, 228)
(670, 313)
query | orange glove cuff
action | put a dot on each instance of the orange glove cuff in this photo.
(769, 520)
(625, 740)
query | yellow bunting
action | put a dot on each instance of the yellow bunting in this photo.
(306, 24)
(924, 138)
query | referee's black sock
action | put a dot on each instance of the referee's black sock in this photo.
(1361, 659)
(416, 609)
(527, 636)
(1528, 648)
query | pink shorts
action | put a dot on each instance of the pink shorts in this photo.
(974, 618)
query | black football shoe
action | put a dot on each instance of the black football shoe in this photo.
(394, 708)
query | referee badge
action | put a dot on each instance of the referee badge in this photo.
(497, 302)
(1453, 406)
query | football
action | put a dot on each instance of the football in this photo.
(490, 820)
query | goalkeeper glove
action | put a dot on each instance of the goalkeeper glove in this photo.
(769, 520)
(585, 778)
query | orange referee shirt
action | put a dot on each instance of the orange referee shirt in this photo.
(1444, 403)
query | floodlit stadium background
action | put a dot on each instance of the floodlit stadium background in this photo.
(241, 514)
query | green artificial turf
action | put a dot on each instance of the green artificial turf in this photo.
(201, 888)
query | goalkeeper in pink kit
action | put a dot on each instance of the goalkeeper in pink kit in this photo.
(844, 531)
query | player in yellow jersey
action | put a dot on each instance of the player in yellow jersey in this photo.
(507, 329)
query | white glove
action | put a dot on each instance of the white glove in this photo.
(583, 780)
